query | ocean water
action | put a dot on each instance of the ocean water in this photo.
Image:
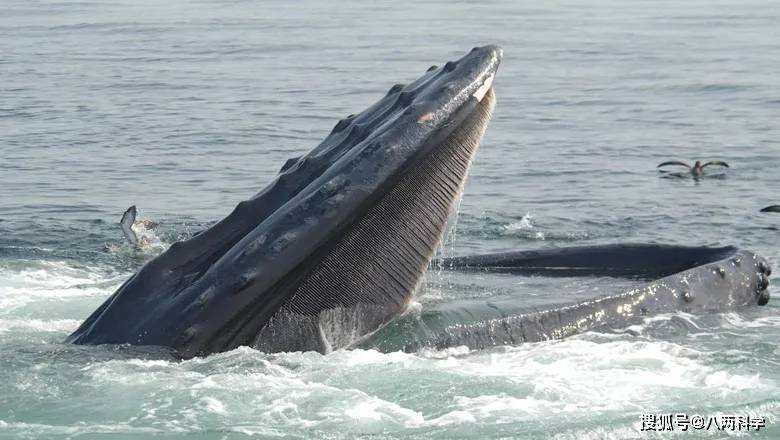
(184, 108)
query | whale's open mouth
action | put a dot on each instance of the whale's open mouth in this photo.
(367, 273)
(334, 247)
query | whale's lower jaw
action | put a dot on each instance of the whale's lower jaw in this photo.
(676, 279)
(367, 274)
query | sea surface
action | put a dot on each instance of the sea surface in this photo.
(184, 108)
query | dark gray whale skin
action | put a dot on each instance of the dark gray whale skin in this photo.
(689, 279)
(334, 247)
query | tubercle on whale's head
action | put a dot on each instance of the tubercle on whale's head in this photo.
(764, 270)
(431, 100)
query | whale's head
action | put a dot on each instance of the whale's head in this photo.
(335, 246)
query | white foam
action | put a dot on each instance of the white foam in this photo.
(355, 391)
(364, 410)
(452, 418)
(31, 281)
(78, 428)
(446, 353)
(577, 375)
(525, 225)
(727, 382)
(351, 358)
(213, 405)
(148, 240)
(736, 321)
(650, 321)
(614, 432)
(39, 325)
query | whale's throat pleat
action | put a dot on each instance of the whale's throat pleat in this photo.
(368, 275)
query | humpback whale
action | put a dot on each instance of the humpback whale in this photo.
(334, 248)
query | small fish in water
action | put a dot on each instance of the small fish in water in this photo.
(137, 232)
(697, 170)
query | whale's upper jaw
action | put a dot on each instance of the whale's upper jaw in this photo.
(334, 247)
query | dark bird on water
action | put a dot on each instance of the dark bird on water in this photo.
(697, 170)
(771, 208)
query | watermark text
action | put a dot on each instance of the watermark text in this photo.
(695, 422)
